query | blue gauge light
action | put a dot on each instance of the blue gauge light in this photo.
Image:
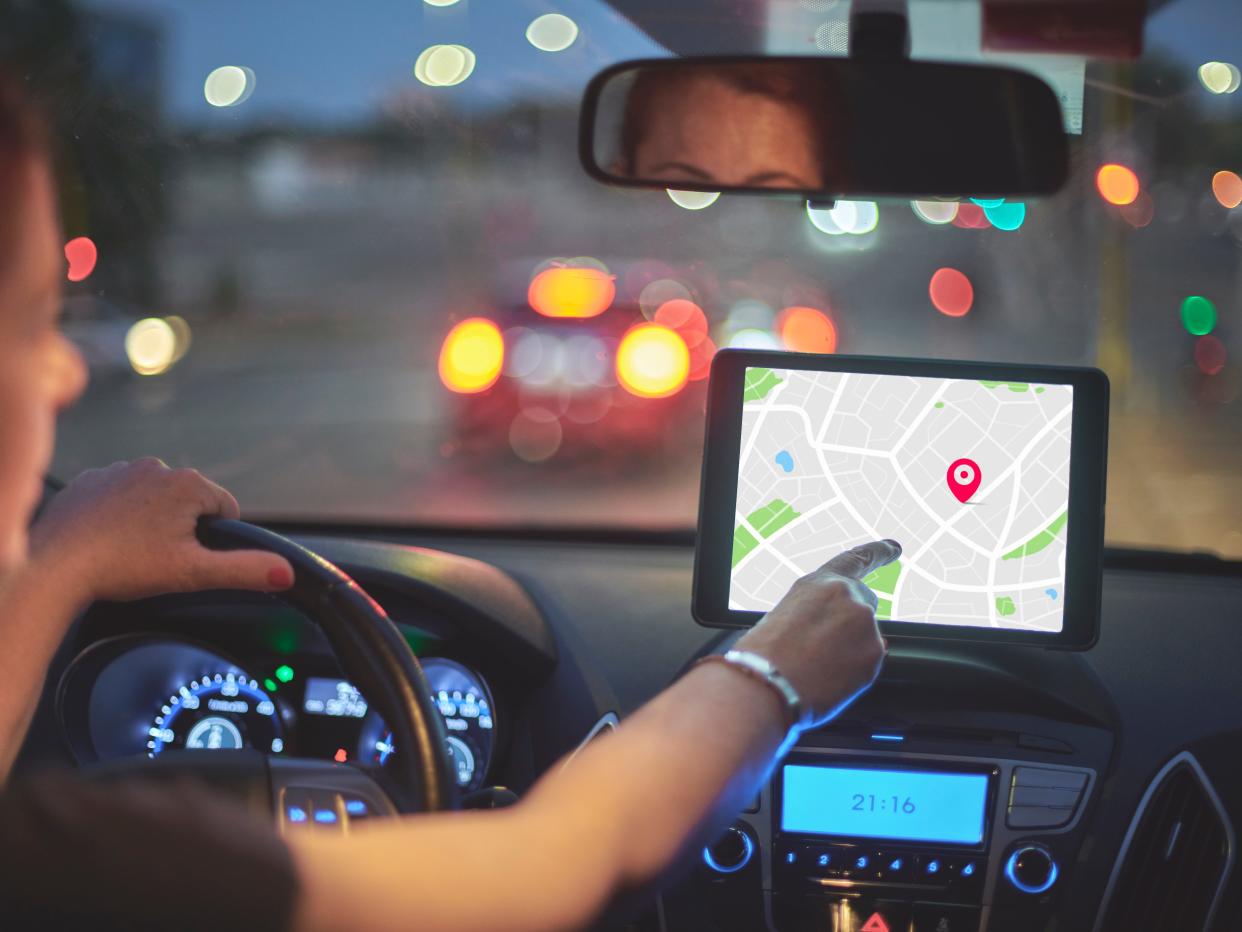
(224, 711)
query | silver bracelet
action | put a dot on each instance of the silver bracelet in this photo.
(762, 669)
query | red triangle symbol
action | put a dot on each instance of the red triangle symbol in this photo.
(875, 924)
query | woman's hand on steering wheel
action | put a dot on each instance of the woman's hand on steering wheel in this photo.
(127, 531)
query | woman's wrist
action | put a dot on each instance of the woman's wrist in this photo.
(55, 581)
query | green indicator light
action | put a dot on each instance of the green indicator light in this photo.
(1198, 315)
(270, 684)
(284, 673)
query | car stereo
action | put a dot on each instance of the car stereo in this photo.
(990, 476)
(854, 841)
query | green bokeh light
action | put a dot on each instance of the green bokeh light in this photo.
(270, 685)
(1198, 315)
(1007, 216)
(284, 673)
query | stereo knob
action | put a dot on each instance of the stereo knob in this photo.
(729, 853)
(1031, 869)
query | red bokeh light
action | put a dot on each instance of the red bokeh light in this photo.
(1210, 354)
(951, 292)
(970, 216)
(684, 316)
(81, 255)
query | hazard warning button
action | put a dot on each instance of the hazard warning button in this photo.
(874, 916)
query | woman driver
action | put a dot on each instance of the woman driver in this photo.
(79, 855)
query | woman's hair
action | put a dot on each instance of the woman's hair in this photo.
(22, 138)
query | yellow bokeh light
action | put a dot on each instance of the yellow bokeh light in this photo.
(151, 345)
(228, 86)
(692, 200)
(1220, 77)
(552, 32)
(571, 292)
(472, 356)
(652, 361)
(444, 65)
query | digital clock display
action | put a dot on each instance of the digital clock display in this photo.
(902, 805)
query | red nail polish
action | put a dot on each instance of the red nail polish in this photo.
(279, 578)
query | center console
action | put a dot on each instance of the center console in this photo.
(882, 841)
(955, 807)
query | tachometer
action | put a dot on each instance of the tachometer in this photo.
(220, 712)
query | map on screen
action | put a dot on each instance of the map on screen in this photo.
(971, 477)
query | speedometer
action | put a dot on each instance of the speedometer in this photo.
(220, 712)
(466, 708)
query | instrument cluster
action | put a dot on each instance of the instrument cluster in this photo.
(132, 696)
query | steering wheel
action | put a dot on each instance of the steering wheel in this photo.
(375, 658)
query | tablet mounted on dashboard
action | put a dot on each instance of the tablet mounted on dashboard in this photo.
(991, 477)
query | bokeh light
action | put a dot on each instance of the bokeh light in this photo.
(935, 212)
(1007, 215)
(701, 355)
(440, 2)
(754, 338)
(229, 86)
(970, 216)
(1220, 77)
(686, 318)
(181, 335)
(1117, 184)
(807, 330)
(535, 434)
(1210, 354)
(652, 361)
(1198, 315)
(472, 356)
(1227, 188)
(986, 202)
(692, 200)
(444, 65)
(855, 217)
(1140, 213)
(151, 345)
(951, 292)
(81, 254)
(656, 293)
(571, 292)
(552, 32)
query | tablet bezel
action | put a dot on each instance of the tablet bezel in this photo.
(1085, 529)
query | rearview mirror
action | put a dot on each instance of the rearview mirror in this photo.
(824, 128)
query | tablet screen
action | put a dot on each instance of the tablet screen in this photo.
(970, 476)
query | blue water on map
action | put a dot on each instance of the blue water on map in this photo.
(784, 461)
(1050, 593)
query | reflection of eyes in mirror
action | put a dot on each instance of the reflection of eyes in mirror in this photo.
(746, 125)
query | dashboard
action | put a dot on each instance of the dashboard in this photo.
(986, 788)
(139, 694)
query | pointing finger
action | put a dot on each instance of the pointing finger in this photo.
(863, 559)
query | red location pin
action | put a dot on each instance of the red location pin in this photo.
(963, 478)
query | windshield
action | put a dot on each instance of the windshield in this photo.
(343, 259)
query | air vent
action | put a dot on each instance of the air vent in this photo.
(1175, 858)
